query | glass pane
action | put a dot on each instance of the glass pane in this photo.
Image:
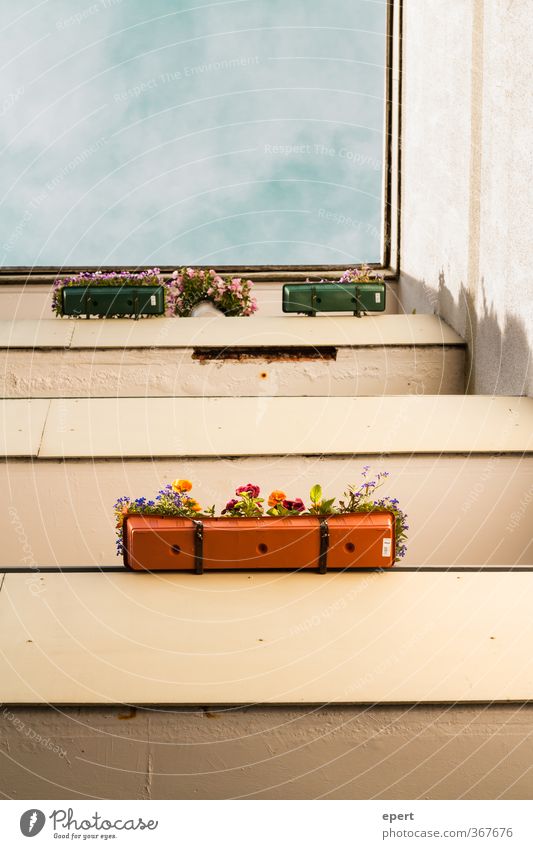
(241, 132)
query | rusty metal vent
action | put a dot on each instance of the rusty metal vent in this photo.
(289, 353)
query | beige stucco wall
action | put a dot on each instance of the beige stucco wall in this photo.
(397, 752)
(467, 102)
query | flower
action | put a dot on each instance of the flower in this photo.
(296, 505)
(193, 505)
(231, 295)
(181, 485)
(250, 488)
(276, 497)
(230, 505)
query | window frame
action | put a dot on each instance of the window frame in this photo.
(391, 192)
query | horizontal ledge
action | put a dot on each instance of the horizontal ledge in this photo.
(185, 458)
(254, 639)
(343, 331)
(81, 570)
(221, 707)
(319, 426)
(245, 351)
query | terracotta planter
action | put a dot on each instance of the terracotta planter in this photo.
(350, 541)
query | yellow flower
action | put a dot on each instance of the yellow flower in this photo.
(193, 505)
(181, 485)
(276, 497)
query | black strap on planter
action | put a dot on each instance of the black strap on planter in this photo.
(324, 545)
(313, 302)
(198, 546)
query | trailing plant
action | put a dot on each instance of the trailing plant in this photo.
(360, 500)
(231, 295)
(364, 274)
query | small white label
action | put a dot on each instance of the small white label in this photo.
(386, 549)
(378, 297)
(152, 300)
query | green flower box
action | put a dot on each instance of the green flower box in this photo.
(108, 301)
(357, 298)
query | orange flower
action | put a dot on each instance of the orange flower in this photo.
(181, 485)
(276, 497)
(193, 505)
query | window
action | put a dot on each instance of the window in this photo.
(239, 132)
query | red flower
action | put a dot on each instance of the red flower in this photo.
(297, 505)
(252, 490)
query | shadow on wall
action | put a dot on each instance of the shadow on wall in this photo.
(499, 357)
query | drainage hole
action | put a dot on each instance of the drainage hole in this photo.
(262, 548)
(175, 549)
(350, 547)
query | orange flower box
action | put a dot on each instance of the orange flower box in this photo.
(338, 542)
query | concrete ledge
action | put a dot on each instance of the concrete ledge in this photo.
(236, 372)
(21, 426)
(242, 427)
(340, 331)
(396, 355)
(267, 426)
(245, 639)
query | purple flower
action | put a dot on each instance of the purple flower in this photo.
(230, 505)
